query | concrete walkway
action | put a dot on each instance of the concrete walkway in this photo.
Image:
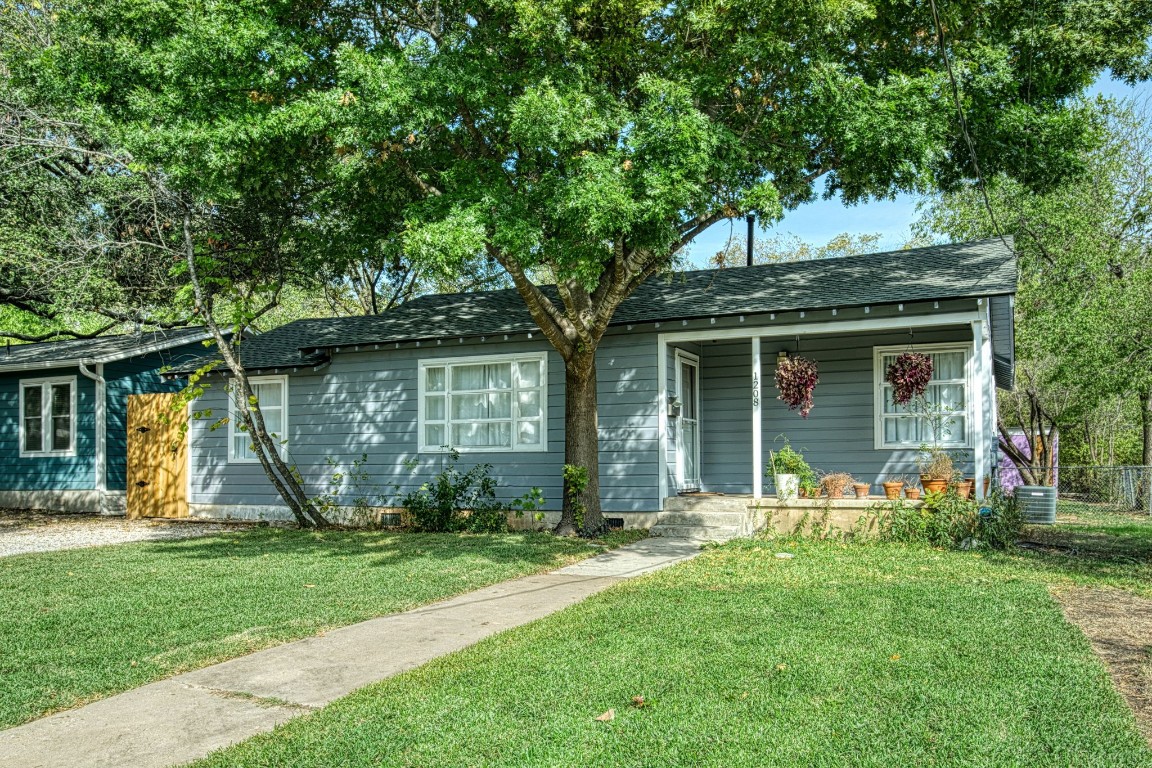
(184, 718)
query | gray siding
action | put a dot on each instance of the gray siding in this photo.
(839, 433)
(365, 403)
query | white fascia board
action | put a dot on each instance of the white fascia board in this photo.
(898, 323)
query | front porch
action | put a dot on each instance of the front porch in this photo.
(719, 417)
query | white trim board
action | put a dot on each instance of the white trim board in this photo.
(828, 326)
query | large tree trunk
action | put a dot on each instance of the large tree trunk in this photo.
(581, 510)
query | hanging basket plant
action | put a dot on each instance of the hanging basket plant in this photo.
(796, 377)
(909, 375)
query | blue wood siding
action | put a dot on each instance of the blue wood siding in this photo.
(45, 473)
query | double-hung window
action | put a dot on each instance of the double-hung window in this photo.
(492, 403)
(48, 417)
(943, 417)
(271, 397)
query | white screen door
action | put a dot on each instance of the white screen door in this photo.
(688, 435)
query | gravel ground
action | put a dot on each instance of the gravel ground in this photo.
(24, 531)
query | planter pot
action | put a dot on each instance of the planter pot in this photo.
(912, 493)
(861, 490)
(787, 486)
(892, 489)
(964, 488)
(932, 486)
(835, 493)
(987, 485)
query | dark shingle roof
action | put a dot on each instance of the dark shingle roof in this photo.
(102, 349)
(966, 270)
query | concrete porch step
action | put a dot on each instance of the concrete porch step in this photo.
(703, 503)
(702, 519)
(697, 532)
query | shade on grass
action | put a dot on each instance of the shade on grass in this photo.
(84, 623)
(846, 655)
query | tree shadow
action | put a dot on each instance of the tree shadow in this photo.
(378, 548)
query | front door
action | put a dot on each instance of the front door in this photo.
(688, 435)
(157, 458)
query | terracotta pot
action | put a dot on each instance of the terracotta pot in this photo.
(964, 488)
(892, 489)
(835, 493)
(912, 493)
(861, 490)
(931, 485)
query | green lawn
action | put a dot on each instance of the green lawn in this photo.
(846, 655)
(82, 624)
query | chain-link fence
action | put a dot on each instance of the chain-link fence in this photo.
(1104, 489)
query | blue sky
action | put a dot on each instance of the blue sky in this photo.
(820, 221)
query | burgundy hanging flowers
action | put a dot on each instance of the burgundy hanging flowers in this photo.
(796, 377)
(909, 375)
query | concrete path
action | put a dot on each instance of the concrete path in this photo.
(184, 718)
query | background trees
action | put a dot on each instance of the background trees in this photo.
(1084, 311)
(583, 142)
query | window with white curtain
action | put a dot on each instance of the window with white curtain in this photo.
(484, 403)
(48, 417)
(900, 426)
(271, 395)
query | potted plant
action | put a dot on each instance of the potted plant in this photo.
(861, 489)
(893, 487)
(835, 483)
(796, 377)
(912, 493)
(789, 471)
(909, 375)
(936, 469)
(809, 487)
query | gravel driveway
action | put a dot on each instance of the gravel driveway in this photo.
(25, 531)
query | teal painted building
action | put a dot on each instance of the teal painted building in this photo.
(63, 415)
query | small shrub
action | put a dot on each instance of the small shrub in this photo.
(455, 501)
(352, 493)
(576, 479)
(946, 520)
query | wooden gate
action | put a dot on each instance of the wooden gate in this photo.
(157, 458)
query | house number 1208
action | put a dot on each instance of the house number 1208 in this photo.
(755, 391)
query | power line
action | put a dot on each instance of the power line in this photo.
(980, 183)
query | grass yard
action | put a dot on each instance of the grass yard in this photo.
(82, 624)
(847, 654)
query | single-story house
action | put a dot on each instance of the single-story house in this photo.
(686, 394)
(64, 415)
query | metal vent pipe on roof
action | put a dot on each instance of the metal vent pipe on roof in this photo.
(751, 220)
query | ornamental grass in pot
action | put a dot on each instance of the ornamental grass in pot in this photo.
(835, 483)
(936, 469)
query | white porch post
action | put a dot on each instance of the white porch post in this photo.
(662, 416)
(980, 417)
(757, 443)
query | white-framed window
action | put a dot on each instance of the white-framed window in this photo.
(271, 394)
(48, 417)
(901, 426)
(484, 403)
